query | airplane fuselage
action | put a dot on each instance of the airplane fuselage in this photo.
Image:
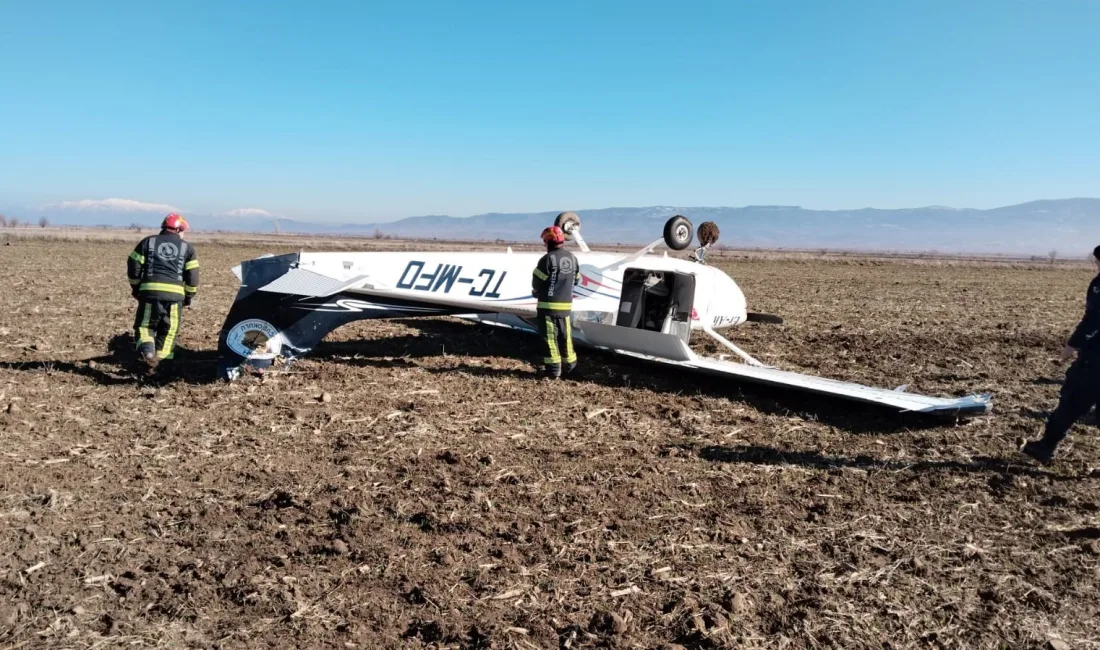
(501, 281)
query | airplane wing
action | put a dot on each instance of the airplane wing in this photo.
(897, 399)
(670, 350)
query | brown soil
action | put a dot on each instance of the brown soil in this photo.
(413, 486)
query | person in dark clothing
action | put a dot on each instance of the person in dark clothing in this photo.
(1081, 390)
(163, 270)
(552, 284)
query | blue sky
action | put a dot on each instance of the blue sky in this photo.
(360, 110)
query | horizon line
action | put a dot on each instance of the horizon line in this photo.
(75, 205)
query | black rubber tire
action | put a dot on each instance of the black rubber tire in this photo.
(678, 233)
(568, 221)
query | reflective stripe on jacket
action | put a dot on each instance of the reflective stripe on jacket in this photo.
(163, 267)
(553, 279)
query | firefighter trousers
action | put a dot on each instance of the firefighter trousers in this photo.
(556, 334)
(157, 326)
(1080, 392)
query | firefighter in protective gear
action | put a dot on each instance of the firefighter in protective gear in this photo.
(552, 284)
(163, 270)
(1081, 390)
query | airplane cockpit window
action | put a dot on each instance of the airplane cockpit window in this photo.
(658, 301)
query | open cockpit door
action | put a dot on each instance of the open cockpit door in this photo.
(658, 301)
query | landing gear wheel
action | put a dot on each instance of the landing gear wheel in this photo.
(678, 233)
(569, 222)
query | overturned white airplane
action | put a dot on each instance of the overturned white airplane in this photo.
(640, 305)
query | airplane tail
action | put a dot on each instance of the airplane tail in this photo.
(282, 311)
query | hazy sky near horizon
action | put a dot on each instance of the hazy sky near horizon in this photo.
(375, 111)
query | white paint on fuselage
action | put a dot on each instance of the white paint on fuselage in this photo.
(501, 281)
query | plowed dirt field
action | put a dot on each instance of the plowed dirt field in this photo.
(412, 486)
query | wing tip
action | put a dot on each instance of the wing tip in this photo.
(979, 404)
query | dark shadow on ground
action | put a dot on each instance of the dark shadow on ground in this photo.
(1092, 418)
(439, 337)
(81, 368)
(1034, 414)
(979, 465)
(1088, 532)
(1047, 381)
(120, 366)
(436, 337)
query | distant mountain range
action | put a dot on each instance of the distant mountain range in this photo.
(1069, 226)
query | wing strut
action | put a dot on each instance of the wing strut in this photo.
(741, 353)
(633, 256)
(580, 240)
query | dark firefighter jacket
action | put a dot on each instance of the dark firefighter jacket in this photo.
(163, 267)
(1086, 338)
(553, 279)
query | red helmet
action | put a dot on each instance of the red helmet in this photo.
(174, 222)
(553, 235)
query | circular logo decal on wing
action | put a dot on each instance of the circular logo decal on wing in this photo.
(255, 339)
(168, 251)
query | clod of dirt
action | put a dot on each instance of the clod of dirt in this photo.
(610, 623)
(415, 596)
(9, 615)
(1000, 484)
(442, 558)
(429, 632)
(1058, 644)
(280, 499)
(1041, 599)
(109, 625)
(14, 409)
(125, 584)
(343, 516)
(991, 596)
(424, 521)
(1055, 501)
(325, 398)
(673, 414)
(340, 547)
(739, 604)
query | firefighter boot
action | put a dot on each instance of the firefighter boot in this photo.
(1040, 450)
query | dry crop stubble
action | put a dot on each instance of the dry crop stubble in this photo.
(439, 497)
